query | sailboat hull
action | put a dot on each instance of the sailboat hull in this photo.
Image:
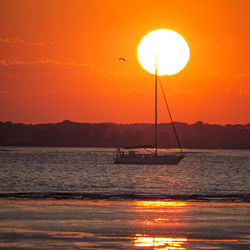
(171, 159)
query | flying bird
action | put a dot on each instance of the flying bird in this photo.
(122, 59)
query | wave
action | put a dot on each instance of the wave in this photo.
(123, 197)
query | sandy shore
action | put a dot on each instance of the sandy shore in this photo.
(123, 225)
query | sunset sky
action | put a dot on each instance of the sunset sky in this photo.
(59, 60)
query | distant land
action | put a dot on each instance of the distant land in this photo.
(74, 134)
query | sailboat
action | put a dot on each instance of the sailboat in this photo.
(152, 158)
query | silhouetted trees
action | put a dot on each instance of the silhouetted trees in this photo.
(73, 134)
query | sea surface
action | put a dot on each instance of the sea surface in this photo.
(76, 198)
(89, 174)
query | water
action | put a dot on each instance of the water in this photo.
(75, 198)
(88, 174)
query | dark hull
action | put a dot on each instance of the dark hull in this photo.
(171, 159)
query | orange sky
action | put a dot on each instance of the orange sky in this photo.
(59, 60)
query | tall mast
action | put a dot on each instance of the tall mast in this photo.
(156, 132)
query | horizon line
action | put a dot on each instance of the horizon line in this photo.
(120, 123)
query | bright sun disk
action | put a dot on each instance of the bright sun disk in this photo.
(165, 46)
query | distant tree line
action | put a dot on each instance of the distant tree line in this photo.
(73, 134)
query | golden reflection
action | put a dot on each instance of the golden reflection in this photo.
(108, 203)
(159, 243)
(161, 203)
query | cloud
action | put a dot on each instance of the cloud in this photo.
(43, 92)
(17, 40)
(46, 61)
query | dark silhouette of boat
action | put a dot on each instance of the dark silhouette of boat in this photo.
(151, 157)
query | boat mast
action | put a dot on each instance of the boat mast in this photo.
(156, 132)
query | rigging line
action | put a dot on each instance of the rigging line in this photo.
(176, 135)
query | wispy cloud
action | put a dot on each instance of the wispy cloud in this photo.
(17, 40)
(46, 61)
(43, 92)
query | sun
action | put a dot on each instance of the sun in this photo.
(163, 47)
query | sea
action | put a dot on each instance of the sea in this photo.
(76, 198)
(89, 173)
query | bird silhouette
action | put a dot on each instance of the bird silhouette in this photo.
(122, 59)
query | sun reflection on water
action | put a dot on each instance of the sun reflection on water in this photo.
(158, 214)
(159, 243)
(161, 203)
